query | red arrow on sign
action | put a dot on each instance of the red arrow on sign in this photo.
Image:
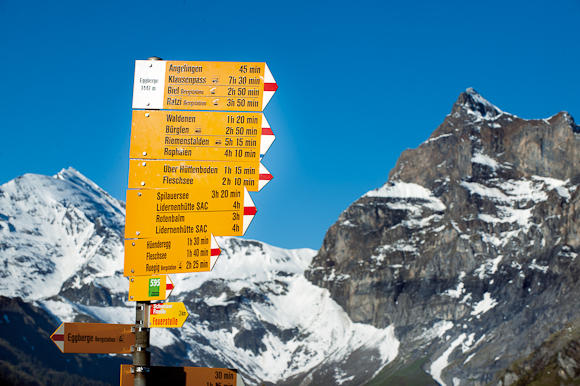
(249, 210)
(267, 136)
(270, 86)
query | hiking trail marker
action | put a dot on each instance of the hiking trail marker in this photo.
(200, 135)
(94, 338)
(147, 288)
(174, 213)
(182, 253)
(167, 315)
(155, 174)
(221, 86)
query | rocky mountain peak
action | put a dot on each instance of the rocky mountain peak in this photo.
(472, 103)
(473, 240)
(479, 139)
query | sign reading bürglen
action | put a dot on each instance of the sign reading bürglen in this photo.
(199, 135)
(221, 86)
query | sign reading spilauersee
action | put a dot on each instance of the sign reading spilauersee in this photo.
(224, 86)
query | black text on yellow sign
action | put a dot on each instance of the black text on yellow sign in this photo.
(155, 174)
(217, 86)
(173, 253)
(165, 212)
(199, 135)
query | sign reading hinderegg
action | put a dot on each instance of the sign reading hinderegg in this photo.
(174, 253)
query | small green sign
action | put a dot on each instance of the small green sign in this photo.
(154, 285)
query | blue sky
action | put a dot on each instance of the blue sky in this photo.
(359, 82)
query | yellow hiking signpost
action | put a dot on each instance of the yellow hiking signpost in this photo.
(182, 253)
(177, 212)
(167, 315)
(199, 135)
(189, 177)
(220, 86)
(152, 174)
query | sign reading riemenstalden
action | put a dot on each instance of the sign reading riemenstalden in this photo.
(199, 135)
(223, 86)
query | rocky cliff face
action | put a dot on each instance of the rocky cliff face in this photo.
(470, 248)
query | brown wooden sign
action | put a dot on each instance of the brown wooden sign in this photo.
(185, 376)
(94, 338)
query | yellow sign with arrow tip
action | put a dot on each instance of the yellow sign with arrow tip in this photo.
(185, 85)
(167, 315)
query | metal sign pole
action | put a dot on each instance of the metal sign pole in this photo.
(141, 354)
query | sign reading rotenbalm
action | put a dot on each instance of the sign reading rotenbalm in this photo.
(155, 174)
(146, 288)
(166, 212)
(167, 315)
(197, 251)
(197, 135)
(224, 86)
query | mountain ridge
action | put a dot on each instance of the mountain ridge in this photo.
(469, 223)
(462, 263)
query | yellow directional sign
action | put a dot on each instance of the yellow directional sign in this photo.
(154, 174)
(184, 376)
(172, 253)
(94, 338)
(222, 86)
(167, 315)
(147, 288)
(171, 212)
(199, 135)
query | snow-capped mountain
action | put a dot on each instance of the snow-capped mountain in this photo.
(463, 268)
(470, 248)
(62, 245)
